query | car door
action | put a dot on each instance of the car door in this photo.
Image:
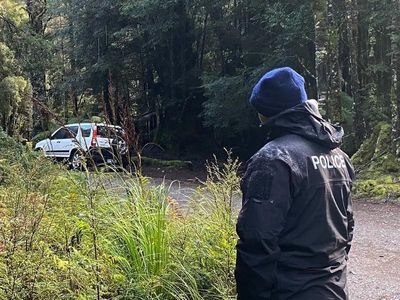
(86, 135)
(63, 141)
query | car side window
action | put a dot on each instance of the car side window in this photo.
(73, 130)
(86, 130)
(109, 132)
(65, 133)
(103, 132)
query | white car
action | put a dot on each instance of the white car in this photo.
(96, 142)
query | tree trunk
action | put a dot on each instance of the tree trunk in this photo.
(382, 49)
(36, 11)
(327, 58)
(74, 99)
(107, 99)
(203, 43)
(362, 125)
(395, 39)
(355, 84)
(39, 93)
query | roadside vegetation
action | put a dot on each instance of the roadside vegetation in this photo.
(67, 235)
(378, 169)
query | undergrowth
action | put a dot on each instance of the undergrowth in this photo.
(78, 235)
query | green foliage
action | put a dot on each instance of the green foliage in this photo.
(347, 103)
(41, 136)
(139, 238)
(12, 89)
(15, 95)
(189, 66)
(276, 36)
(182, 72)
(207, 237)
(162, 252)
(8, 145)
(13, 11)
(10, 151)
(45, 245)
(227, 109)
(7, 61)
(15, 104)
(124, 59)
(74, 236)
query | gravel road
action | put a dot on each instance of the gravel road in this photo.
(374, 264)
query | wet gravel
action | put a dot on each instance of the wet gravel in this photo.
(374, 264)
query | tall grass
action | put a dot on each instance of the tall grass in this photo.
(138, 238)
(207, 237)
(166, 252)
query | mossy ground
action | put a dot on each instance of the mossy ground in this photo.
(377, 168)
(173, 164)
(382, 188)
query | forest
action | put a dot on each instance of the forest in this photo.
(179, 73)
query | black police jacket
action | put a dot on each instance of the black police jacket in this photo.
(296, 223)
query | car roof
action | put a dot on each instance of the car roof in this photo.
(92, 124)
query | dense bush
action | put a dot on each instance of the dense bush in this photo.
(83, 235)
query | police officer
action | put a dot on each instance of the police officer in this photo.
(296, 223)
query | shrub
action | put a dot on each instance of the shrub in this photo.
(45, 248)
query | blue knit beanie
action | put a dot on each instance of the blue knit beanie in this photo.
(277, 91)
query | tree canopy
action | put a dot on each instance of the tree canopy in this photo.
(181, 72)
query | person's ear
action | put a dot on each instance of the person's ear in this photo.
(263, 119)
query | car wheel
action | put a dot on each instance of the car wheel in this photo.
(75, 161)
